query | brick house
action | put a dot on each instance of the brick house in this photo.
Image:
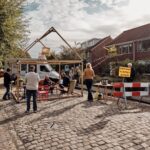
(133, 44)
(86, 47)
(99, 52)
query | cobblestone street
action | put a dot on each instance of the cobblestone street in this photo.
(74, 74)
(74, 123)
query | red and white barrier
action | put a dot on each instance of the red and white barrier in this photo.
(123, 93)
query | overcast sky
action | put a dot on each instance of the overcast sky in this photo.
(81, 20)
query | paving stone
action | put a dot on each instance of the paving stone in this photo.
(77, 125)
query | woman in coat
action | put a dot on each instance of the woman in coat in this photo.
(88, 75)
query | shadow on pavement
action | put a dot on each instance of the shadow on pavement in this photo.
(112, 110)
(17, 115)
(3, 106)
(98, 126)
(56, 112)
(88, 104)
(13, 118)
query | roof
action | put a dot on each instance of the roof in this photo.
(90, 40)
(133, 34)
(101, 41)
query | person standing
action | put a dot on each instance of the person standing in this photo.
(132, 74)
(77, 75)
(88, 75)
(71, 73)
(32, 81)
(7, 82)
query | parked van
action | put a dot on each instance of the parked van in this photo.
(41, 69)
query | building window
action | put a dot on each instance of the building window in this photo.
(125, 49)
(139, 46)
(144, 45)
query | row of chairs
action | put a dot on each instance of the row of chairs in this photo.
(44, 90)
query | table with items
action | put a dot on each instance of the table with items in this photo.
(104, 89)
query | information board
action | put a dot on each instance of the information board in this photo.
(124, 72)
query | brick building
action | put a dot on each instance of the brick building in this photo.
(133, 44)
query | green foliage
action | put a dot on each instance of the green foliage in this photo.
(13, 29)
(69, 54)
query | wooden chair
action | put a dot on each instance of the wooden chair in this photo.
(69, 89)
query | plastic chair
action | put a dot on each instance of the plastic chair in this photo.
(43, 91)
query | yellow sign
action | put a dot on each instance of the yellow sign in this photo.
(124, 72)
(112, 50)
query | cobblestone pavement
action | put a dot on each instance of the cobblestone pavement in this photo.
(6, 139)
(75, 124)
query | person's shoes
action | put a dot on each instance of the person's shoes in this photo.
(35, 111)
(27, 111)
(5, 99)
(90, 100)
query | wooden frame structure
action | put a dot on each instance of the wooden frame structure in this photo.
(18, 62)
(41, 61)
(52, 29)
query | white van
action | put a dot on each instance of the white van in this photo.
(41, 69)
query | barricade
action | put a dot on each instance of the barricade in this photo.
(124, 89)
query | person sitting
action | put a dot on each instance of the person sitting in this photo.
(49, 82)
(66, 80)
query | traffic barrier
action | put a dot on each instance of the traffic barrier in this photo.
(119, 86)
(124, 90)
(142, 89)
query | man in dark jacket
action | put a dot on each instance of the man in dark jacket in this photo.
(7, 82)
(132, 75)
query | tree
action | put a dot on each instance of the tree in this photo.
(69, 54)
(13, 29)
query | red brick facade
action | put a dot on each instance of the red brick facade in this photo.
(98, 52)
(133, 44)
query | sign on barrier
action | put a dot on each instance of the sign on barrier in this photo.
(124, 72)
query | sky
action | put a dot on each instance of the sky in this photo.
(81, 20)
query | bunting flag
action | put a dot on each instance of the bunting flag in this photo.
(112, 50)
